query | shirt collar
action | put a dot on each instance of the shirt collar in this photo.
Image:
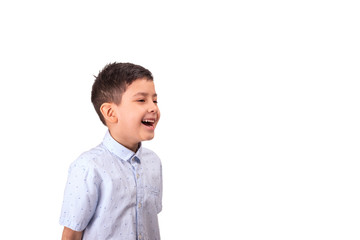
(119, 150)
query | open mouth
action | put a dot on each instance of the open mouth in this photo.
(148, 122)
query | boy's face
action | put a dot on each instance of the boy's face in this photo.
(137, 114)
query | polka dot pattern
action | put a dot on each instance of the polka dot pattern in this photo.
(114, 193)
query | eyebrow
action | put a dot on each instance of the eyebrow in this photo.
(144, 94)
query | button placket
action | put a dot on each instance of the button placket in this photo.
(139, 195)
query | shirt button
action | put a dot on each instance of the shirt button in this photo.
(139, 236)
(139, 205)
(137, 176)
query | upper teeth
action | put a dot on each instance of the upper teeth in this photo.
(147, 120)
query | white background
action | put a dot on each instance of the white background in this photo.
(259, 134)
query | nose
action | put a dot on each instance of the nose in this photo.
(153, 108)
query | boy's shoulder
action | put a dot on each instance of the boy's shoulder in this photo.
(150, 157)
(149, 153)
(90, 157)
(96, 155)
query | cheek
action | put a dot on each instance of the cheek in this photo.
(128, 119)
(134, 120)
(158, 112)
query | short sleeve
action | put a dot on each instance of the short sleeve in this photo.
(80, 196)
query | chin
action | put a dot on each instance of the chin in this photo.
(147, 138)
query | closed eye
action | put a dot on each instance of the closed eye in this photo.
(140, 100)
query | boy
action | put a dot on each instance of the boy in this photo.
(114, 191)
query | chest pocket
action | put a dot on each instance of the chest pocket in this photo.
(153, 198)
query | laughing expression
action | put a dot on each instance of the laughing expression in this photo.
(137, 114)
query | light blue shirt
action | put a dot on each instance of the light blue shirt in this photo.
(114, 193)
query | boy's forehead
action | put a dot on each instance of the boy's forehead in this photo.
(141, 87)
(144, 94)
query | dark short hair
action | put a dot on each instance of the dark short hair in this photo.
(112, 82)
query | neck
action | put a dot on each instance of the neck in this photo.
(132, 146)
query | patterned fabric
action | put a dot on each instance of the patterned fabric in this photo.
(114, 193)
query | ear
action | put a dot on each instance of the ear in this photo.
(108, 111)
